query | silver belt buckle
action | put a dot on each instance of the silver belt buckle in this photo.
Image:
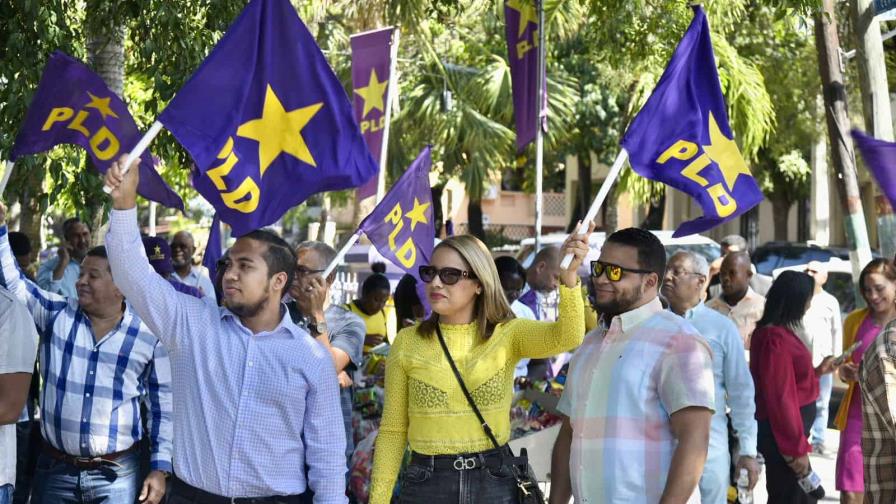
(463, 464)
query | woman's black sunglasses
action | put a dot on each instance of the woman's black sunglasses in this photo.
(448, 276)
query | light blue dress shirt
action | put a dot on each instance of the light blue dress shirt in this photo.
(65, 286)
(251, 410)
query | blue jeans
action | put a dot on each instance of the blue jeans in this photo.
(56, 482)
(6, 494)
(825, 386)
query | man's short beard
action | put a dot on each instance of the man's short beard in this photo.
(625, 301)
(243, 310)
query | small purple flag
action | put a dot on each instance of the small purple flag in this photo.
(401, 226)
(72, 105)
(371, 65)
(213, 249)
(521, 21)
(880, 157)
(681, 136)
(266, 120)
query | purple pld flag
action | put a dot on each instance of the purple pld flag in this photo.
(371, 65)
(681, 136)
(880, 157)
(266, 120)
(72, 105)
(401, 226)
(521, 20)
(214, 249)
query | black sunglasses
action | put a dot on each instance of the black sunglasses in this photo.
(614, 271)
(448, 276)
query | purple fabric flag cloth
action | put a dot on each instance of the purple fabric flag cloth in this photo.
(681, 136)
(72, 105)
(880, 157)
(521, 25)
(266, 120)
(214, 249)
(371, 65)
(401, 226)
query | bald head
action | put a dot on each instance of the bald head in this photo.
(544, 272)
(735, 275)
(182, 250)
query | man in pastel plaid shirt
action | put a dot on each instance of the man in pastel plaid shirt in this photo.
(98, 363)
(639, 395)
(257, 397)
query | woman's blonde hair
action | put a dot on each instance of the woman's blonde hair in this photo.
(491, 307)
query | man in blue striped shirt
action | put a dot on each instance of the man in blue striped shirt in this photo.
(99, 363)
(257, 397)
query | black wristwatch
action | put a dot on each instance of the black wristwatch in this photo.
(317, 328)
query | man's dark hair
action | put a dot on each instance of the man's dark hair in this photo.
(279, 256)
(378, 267)
(98, 251)
(785, 303)
(19, 243)
(509, 265)
(68, 225)
(375, 282)
(651, 253)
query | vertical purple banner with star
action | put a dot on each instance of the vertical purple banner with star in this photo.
(521, 20)
(371, 63)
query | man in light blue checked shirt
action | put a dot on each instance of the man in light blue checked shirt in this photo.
(683, 286)
(98, 362)
(257, 397)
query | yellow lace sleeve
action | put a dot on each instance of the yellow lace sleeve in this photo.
(538, 340)
(392, 438)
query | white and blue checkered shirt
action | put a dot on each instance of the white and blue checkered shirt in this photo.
(90, 403)
(252, 409)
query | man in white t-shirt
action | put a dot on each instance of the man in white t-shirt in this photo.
(18, 349)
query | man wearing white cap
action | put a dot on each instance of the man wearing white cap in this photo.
(823, 334)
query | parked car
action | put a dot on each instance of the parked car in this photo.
(781, 254)
(700, 244)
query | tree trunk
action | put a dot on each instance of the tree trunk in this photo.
(29, 201)
(583, 195)
(781, 210)
(655, 214)
(474, 216)
(105, 53)
(610, 211)
(827, 43)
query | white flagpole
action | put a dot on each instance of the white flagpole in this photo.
(139, 149)
(6, 174)
(392, 92)
(341, 254)
(539, 133)
(599, 199)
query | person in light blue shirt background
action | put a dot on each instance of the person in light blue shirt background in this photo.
(59, 274)
(683, 287)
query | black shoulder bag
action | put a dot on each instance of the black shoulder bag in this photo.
(529, 491)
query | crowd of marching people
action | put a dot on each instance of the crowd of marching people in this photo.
(678, 379)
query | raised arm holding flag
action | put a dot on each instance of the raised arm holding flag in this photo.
(681, 137)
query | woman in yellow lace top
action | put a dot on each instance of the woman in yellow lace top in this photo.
(452, 458)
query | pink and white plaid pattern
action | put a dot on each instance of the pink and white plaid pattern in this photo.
(624, 382)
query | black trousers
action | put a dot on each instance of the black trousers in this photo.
(780, 480)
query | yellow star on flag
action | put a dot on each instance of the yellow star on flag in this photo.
(527, 14)
(417, 214)
(724, 152)
(279, 130)
(373, 93)
(102, 105)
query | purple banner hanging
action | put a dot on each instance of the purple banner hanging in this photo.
(371, 64)
(521, 18)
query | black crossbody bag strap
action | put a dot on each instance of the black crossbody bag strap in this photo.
(530, 493)
(463, 388)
